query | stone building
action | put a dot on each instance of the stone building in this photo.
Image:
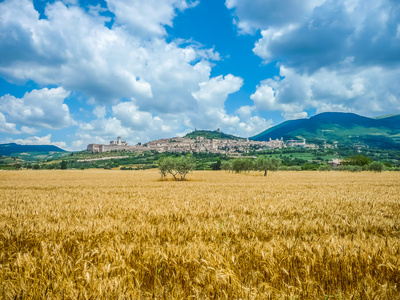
(198, 145)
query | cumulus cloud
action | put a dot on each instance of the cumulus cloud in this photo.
(43, 108)
(75, 50)
(104, 130)
(136, 125)
(28, 130)
(333, 55)
(11, 128)
(363, 91)
(250, 124)
(320, 33)
(130, 116)
(147, 18)
(212, 114)
(256, 14)
(211, 99)
(141, 85)
(106, 127)
(174, 74)
(253, 126)
(129, 122)
(71, 48)
(216, 90)
(7, 127)
(333, 32)
(100, 111)
(245, 112)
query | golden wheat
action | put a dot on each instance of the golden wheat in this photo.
(100, 234)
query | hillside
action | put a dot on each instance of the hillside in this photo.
(31, 152)
(211, 135)
(344, 128)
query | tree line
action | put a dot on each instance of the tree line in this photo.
(261, 163)
(179, 167)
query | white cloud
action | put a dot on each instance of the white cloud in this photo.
(253, 126)
(264, 97)
(314, 34)
(36, 140)
(78, 145)
(136, 125)
(245, 112)
(174, 75)
(334, 31)
(216, 90)
(333, 55)
(108, 128)
(43, 108)
(211, 98)
(269, 36)
(28, 130)
(169, 83)
(294, 115)
(70, 2)
(102, 131)
(6, 127)
(100, 111)
(73, 49)
(255, 14)
(130, 116)
(146, 18)
(129, 123)
(364, 91)
(212, 114)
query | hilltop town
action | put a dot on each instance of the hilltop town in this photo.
(200, 144)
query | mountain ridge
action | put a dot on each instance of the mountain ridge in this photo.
(15, 149)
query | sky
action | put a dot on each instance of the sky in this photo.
(75, 72)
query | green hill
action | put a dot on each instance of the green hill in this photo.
(31, 152)
(343, 128)
(211, 135)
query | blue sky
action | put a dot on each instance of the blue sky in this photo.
(77, 72)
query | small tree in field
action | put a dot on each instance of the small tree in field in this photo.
(178, 167)
(226, 165)
(357, 160)
(184, 165)
(237, 165)
(248, 164)
(376, 166)
(267, 164)
(242, 165)
(166, 166)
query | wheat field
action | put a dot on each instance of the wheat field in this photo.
(98, 234)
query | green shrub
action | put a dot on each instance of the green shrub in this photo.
(126, 168)
(376, 166)
(309, 167)
(357, 160)
(325, 167)
(350, 168)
